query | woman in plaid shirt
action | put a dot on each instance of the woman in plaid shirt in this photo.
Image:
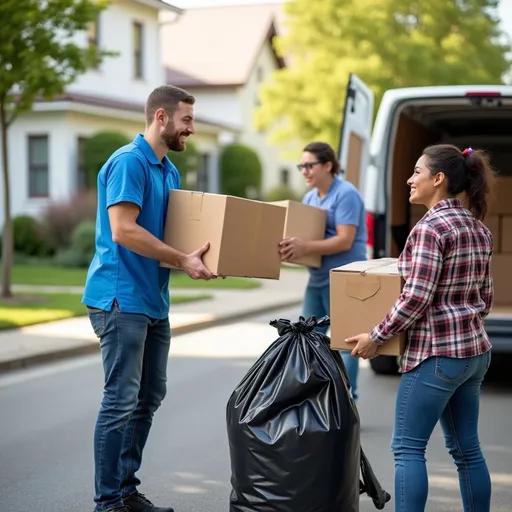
(448, 292)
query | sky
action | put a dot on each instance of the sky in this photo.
(505, 7)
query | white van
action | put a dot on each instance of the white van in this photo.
(380, 160)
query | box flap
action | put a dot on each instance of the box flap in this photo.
(284, 203)
(196, 205)
(362, 289)
(378, 266)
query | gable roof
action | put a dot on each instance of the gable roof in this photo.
(216, 46)
(160, 4)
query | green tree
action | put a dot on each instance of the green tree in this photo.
(387, 43)
(241, 171)
(187, 162)
(97, 150)
(37, 59)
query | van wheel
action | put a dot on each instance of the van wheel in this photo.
(384, 365)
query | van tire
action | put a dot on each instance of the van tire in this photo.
(384, 365)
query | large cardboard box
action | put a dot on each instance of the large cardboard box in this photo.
(305, 222)
(244, 235)
(493, 223)
(362, 293)
(506, 233)
(501, 267)
(500, 203)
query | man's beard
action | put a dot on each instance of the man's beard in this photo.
(171, 139)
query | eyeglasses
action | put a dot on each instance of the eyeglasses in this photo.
(308, 166)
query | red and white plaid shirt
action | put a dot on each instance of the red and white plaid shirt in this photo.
(448, 289)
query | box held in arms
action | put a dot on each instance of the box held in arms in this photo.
(362, 293)
(244, 235)
(307, 223)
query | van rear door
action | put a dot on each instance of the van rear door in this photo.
(356, 131)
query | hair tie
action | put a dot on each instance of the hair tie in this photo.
(467, 151)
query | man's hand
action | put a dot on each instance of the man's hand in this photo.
(292, 248)
(365, 347)
(194, 267)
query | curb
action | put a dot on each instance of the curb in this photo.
(93, 348)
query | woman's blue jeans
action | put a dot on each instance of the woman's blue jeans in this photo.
(446, 390)
(317, 302)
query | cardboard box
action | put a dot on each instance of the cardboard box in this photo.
(501, 266)
(506, 233)
(493, 223)
(305, 222)
(362, 293)
(244, 235)
(500, 203)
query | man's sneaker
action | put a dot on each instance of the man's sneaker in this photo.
(137, 502)
(122, 508)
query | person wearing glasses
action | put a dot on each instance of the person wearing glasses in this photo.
(345, 234)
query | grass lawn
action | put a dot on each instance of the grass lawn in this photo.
(57, 276)
(29, 309)
(289, 266)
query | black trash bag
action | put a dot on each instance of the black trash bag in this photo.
(293, 430)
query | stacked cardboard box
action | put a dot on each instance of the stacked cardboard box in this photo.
(499, 221)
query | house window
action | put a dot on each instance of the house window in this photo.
(81, 178)
(202, 183)
(137, 50)
(93, 36)
(284, 177)
(259, 74)
(38, 171)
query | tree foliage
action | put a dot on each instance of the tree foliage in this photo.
(187, 162)
(388, 44)
(39, 57)
(241, 171)
(97, 150)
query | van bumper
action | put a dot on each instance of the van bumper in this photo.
(499, 331)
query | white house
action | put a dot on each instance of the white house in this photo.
(222, 55)
(45, 144)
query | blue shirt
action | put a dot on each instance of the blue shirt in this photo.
(344, 206)
(132, 174)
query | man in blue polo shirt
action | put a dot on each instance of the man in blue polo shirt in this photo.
(127, 294)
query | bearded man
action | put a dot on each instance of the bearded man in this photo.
(127, 294)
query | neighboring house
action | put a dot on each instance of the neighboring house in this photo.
(222, 55)
(45, 144)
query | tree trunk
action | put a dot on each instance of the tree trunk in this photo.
(7, 236)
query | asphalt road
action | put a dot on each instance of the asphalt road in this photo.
(48, 415)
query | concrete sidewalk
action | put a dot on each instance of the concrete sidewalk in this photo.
(65, 338)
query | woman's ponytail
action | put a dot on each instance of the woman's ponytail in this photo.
(480, 181)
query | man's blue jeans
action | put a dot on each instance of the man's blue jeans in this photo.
(444, 389)
(317, 302)
(135, 350)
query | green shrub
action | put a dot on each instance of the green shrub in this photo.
(70, 258)
(27, 236)
(187, 162)
(283, 193)
(97, 150)
(61, 219)
(84, 239)
(241, 171)
(83, 246)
